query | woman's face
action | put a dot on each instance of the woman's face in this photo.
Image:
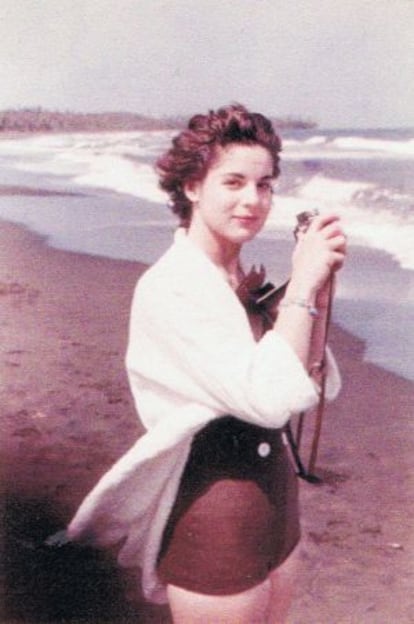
(231, 203)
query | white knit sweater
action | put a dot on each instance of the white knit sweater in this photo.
(191, 358)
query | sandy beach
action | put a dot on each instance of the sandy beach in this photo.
(67, 415)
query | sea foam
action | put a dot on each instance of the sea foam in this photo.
(374, 213)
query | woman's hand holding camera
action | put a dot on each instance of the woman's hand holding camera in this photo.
(320, 252)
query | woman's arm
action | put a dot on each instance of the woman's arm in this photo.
(302, 313)
(186, 347)
(190, 340)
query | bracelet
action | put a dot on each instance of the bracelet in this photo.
(302, 303)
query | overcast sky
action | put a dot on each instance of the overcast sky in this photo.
(342, 63)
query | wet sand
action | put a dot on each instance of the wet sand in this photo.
(67, 415)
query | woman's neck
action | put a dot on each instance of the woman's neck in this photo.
(225, 255)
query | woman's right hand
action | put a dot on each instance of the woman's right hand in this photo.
(319, 252)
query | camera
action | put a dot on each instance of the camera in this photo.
(303, 220)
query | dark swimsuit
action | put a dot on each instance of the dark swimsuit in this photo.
(235, 517)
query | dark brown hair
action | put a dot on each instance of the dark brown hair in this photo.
(195, 148)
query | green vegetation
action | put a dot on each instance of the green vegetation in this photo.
(40, 120)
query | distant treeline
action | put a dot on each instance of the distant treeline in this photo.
(40, 120)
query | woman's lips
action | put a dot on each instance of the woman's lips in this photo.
(245, 219)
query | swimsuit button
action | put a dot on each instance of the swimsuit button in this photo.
(264, 449)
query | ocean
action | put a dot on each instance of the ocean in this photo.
(99, 195)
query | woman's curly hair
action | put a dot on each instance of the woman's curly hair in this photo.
(195, 148)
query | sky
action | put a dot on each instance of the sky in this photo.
(340, 63)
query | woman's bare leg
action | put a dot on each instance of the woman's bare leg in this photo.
(283, 583)
(248, 607)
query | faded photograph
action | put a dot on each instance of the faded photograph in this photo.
(206, 294)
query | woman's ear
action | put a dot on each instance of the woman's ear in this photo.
(191, 191)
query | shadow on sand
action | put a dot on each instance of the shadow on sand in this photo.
(69, 583)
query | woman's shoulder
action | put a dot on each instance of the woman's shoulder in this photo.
(168, 282)
(183, 279)
(182, 269)
(167, 272)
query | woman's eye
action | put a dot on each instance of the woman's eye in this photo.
(233, 183)
(265, 186)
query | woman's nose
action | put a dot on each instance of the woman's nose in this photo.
(251, 194)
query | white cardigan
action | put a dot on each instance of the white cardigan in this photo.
(191, 358)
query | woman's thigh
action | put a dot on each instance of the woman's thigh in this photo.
(284, 580)
(247, 607)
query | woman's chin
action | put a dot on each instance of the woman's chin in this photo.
(246, 233)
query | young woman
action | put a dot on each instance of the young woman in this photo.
(206, 501)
